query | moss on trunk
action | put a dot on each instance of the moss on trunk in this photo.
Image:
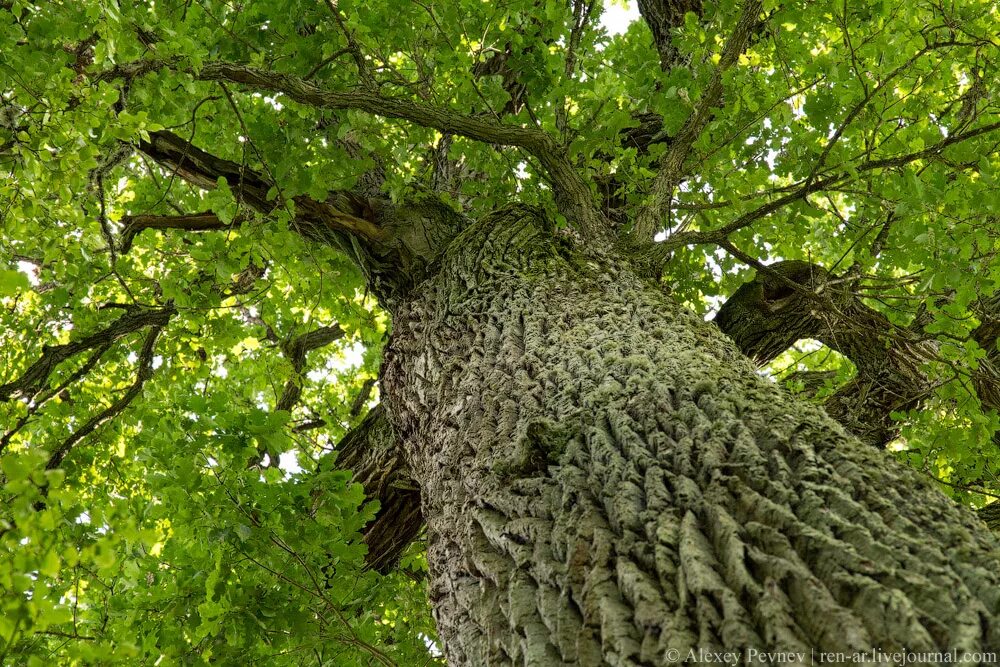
(606, 480)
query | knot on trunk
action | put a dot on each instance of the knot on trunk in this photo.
(542, 445)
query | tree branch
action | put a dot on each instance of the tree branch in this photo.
(803, 188)
(663, 17)
(371, 452)
(61, 390)
(672, 163)
(197, 222)
(34, 379)
(340, 212)
(572, 195)
(295, 351)
(792, 300)
(33, 383)
(391, 243)
(860, 106)
(144, 373)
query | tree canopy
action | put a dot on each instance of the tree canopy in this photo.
(193, 314)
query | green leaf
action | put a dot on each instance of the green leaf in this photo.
(13, 283)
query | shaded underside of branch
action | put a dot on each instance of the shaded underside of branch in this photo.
(371, 452)
(195, 222)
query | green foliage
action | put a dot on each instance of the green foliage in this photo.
(169, 534)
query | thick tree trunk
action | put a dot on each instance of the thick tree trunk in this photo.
(606, 480)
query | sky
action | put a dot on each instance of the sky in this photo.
(616, 18)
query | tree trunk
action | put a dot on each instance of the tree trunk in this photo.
(606, 480)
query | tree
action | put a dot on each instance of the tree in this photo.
(312, 307)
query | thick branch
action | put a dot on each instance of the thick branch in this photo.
(663, 17)
(197, 222)
(792, 300)
(672, 163)
(571, 191)
(370, 451)
(391, 244)
(340, 212)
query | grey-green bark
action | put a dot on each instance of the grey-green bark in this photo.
(791, 300)
(605, 478)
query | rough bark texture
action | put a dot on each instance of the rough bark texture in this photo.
(796, 300)
(605, 478)
(370, 451)
(792, 300)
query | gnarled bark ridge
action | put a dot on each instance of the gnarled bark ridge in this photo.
(605, 478)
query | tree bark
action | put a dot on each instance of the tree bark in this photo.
(606, 480)
(795, 300)
(791, 300)
(663, 17)
(370, 451)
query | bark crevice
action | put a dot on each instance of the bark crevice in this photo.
(692, 505)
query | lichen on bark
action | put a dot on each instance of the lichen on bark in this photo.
(688, 504)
